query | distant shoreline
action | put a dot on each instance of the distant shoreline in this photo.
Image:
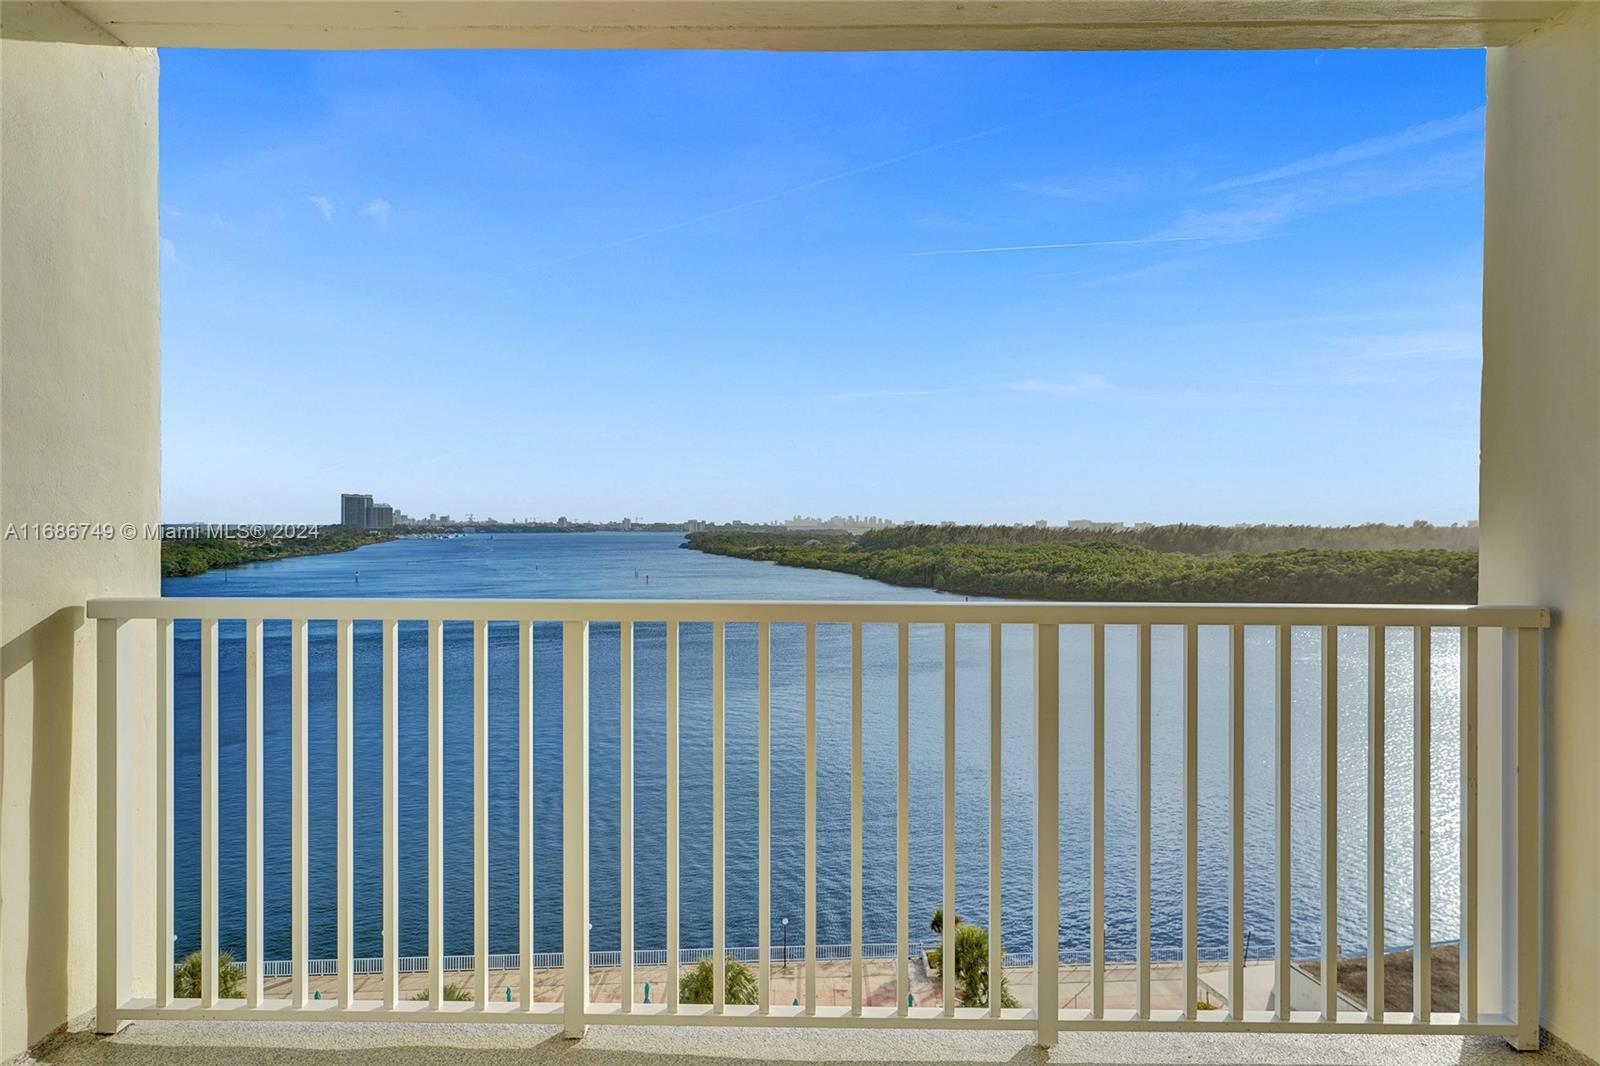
(990, 561)
(192, 556)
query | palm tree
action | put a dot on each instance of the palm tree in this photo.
(740, 987)
(186, 977)
(972, 963)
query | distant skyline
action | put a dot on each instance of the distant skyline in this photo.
(853, 521)
(984, 287)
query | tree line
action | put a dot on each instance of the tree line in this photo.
(188, 556)
(1190, 538)
(1115, 570)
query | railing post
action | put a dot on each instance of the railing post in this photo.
(164, 752)
(1522, 954)
(113, 967)
(1046, 831)
(208, 813)
(575, 824)
(254, 791)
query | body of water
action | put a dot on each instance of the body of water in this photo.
(654, 566)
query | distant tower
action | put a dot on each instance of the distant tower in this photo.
(355, 510)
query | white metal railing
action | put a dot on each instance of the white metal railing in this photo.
(552, 960)
(1499, 940)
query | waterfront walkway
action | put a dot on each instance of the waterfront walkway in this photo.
(833, 984)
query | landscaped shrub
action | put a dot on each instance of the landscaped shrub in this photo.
(452, 994)
(696, 985)
(972, 963)
(186, 977)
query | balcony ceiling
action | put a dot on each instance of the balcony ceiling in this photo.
(797, 25)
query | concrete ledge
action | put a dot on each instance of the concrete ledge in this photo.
(245, 1044)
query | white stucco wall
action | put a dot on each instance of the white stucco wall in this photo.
(1541, 454)
(79, 441)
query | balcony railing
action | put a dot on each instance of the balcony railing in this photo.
(1498, 812)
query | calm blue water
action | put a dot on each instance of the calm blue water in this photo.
(602, 565)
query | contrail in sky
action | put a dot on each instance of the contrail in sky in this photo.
(807, 186)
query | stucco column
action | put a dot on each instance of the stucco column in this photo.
(1540, 487)
(80, 442)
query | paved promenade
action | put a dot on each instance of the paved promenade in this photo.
(833, 984)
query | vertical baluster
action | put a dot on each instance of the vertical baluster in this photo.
(435, 815)
(1422, 816)
(1330, 823)
(164, 960)
(1191, 818)
(1468, 963)
(947, 956)
(1236, 943)
(1142, 993)
(625, 814)
(1097, 823)
(525, 805)
(1523, 867)
(1285, 714)
(1281, 799)
(811, 818)
(254, 944)
(1377, 668)
(391, 815)
(903, 828)
(113, 964)
(857, 966)
(719, 874)
(208, 812)
(764, 807)
(480, 813)
(575, 825)
(344, 679)
(996, 950)
(671, 729)
(299, 811)
(1046, 832)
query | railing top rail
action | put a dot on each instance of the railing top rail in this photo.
(823, 611)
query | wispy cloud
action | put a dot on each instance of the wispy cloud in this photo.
(1157, 269)
(1423, 356)
(168, 211)
(1044, 247)
(1072, 386)
(169, 251)
(1442, 345)
(378, 210)
(947, 222)
(1372, 148)
(1243, 220)
(843, 175)
(1252, 214)
(1066, 386)
(902, 394)
(1088, 188)
(323, 204)
(1089, 387)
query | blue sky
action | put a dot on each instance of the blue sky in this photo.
(983, 287)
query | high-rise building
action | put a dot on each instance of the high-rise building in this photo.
(355, 510)
(358, 511)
